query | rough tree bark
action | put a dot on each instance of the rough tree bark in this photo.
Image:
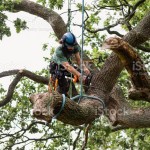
(102, 84)
(134, 65)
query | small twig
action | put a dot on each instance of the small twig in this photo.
(32, 139)
(134, 9)
(114, 32)
(75, 141)
(70, 11)
(86, 136)
(119, 128)
(145, 49)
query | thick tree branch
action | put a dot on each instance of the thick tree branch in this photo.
(53, 18)
(131, 60)
(140, 94)
(47, 105)
(134, 118)
(112, 68)
(11, 90)
(25, 73)
(126, 115)
(118, 110)
(140, 33)
(145, 49)
(19, 75)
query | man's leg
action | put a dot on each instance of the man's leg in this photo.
(63, 87)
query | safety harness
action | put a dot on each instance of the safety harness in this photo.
(57, 71)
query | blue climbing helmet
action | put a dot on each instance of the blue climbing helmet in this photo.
(69, 39)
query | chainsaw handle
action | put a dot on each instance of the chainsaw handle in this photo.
(75, 79)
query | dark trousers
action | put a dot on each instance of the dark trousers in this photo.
(63, 83)
(58, 72)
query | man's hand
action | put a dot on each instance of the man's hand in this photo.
(70, 69)
(78, 59)
(82, 78)
(86, 71)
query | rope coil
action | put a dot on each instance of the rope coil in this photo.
(91, 97)
(62, 106)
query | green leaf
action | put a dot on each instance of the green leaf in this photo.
(19, 25)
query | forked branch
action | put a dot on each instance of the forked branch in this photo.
(133, 64)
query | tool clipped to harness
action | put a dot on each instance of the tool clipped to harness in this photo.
(88, 79)
(87, 82)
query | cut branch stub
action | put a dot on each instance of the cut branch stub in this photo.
(40, 106)
(47, 105)
(131, 60)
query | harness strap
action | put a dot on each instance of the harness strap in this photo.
(56, 84)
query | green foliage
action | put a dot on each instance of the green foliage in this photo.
(19, 25)
(8, 5)
(45, 46)
(43, 2)
(124, 82)
(4, 30)
(4, 5)
(52, 3)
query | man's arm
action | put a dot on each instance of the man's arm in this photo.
(71, 69)
(78, 59)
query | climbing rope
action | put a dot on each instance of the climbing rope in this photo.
(62, 106)
(70, 88)
(81, 65)
(90, 97)
(69, 15)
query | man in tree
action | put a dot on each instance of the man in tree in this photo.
(61, 65)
